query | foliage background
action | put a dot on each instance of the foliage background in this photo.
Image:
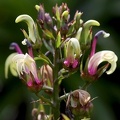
(15, 99)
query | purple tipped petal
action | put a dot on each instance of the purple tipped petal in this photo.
(75, 64)
(30, 83)
(100, 57)
(37, 81)
(66, 63)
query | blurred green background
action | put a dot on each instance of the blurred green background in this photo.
(15, 98)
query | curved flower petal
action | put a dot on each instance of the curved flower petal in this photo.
(31, 25)
(100, 57)
(25, 63)
(11, 65)
(74, 43)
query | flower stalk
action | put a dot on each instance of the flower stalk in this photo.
(56, 102)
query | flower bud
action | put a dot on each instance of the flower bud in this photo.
(65, 15)
(86, 32)
(42, 116)
(79, 103)
(41, 15)
(48, 19)
(37, 7)
(77, 18)
(34, 112)
(73, 53)
(46, 73)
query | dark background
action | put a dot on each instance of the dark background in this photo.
(14, 96)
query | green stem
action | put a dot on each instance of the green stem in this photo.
(64, 96)
(56, 102)
(77, 118)
(44, 99)
(85, 86)
(47, 88)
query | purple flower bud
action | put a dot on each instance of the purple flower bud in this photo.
(15, 46)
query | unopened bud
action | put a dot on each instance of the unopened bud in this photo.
(41, 15)
(65, 15)
(48, 19)
(47, 75)
(34, 112)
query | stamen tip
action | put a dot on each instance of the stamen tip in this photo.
(106, 35)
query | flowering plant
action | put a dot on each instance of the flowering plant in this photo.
(62, 45)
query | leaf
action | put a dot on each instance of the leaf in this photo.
(44, 58)
(48, 34)
(58, 41)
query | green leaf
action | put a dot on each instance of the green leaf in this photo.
(58, 41)
(48, 34)
(44, 58)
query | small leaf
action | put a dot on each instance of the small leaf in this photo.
(71, 29)
(50, 48)
(48, 34)
(58, 41)
(44, 58)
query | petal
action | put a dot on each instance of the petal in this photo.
(73, 49)
(9, 63)
(76, 46)
(100, 57)
(31, 25)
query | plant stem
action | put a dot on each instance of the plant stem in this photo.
(77, 118)
(85, 86)
(56, 102)
(64, 96)
(44, 99)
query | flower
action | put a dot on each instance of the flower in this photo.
(79, 102)
(81, 96)
(100, 57)
(47, 75)
(31, 26)
(73, 53)
(9, 63)
(94, 42)
(25, 65)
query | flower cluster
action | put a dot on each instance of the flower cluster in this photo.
(62, 45)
